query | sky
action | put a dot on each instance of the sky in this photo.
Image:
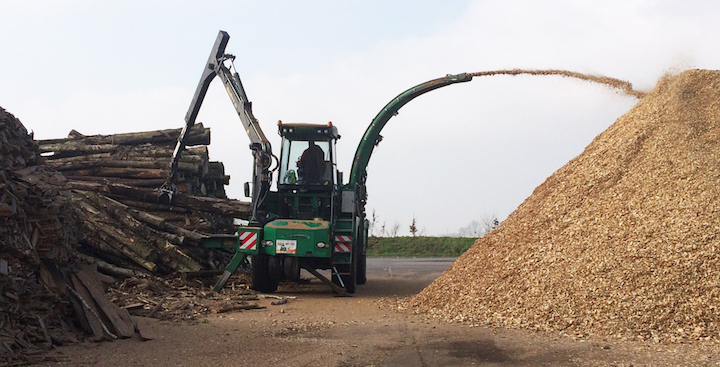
(465, 152)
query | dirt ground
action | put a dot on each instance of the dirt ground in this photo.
(317, 329)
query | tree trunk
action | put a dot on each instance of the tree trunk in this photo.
(198, 135)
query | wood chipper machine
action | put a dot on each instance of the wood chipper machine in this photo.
(313, 220)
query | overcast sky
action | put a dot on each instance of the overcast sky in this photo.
(461, 153)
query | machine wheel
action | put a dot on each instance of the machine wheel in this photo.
(276, 269)
(260, 272)
(361, 255)
(291, 267)
(362, 269)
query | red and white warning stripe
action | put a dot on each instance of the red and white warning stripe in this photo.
(343, 238)
(343, 244)
(248, 240)
(341, 247)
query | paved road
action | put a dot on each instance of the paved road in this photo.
(430, 265)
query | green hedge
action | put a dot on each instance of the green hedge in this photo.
(418, 246)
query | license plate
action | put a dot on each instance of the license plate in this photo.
(286, 246)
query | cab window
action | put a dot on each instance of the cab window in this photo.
(305, 162)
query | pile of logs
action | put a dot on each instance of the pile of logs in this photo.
(114, 180)
(34, 228)
(138, 159)
(94, 200)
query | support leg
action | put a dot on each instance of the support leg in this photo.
(341, 292)
(237, 259)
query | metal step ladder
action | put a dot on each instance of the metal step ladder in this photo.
(343, 229)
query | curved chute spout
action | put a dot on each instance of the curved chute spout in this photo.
(358, 173)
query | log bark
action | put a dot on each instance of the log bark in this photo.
(164, 243)
(104, 234)
(80, 164)
(179, 260)
(126, 217)
(136, 182)
(76, 148)
(110, 268)
(134, 173)
(198, 135)
(152, 207)
(226, 207)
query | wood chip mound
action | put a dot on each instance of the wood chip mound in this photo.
(622, 241)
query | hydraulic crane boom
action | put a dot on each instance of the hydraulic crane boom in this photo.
(259, 144)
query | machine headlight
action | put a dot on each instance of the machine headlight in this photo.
(268, 243)
(322, 245)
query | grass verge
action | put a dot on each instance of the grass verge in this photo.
(418, 246)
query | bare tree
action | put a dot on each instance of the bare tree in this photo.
(413, 227)
(373, 223)
(395, 229)
(489, 222)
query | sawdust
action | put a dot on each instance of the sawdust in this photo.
(625, 86)
(623, 241)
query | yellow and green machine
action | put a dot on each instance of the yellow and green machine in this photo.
(312, 220)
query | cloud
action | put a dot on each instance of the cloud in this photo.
(449, 156)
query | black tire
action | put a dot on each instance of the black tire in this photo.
(362, 269)
(291, 269)
(361, 255)
(276, 269)
(260, 272)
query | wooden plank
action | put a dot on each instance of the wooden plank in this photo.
(118, 322)
(145, 326)
(91, 320)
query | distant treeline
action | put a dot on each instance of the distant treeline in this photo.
(418, 246)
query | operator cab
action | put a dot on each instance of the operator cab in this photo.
(307, 157)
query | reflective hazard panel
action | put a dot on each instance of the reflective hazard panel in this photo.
(343, 244)
(248, 240)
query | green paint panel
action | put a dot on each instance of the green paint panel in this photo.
(221, 241)
(298, 238)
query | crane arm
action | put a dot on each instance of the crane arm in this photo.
(208, 75)
(259, 144)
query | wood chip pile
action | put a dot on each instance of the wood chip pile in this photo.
(623, 241)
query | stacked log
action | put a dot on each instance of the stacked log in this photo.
(126, 169)
(48, 223)
(139, 159)
(33, 204)
(35, 228)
